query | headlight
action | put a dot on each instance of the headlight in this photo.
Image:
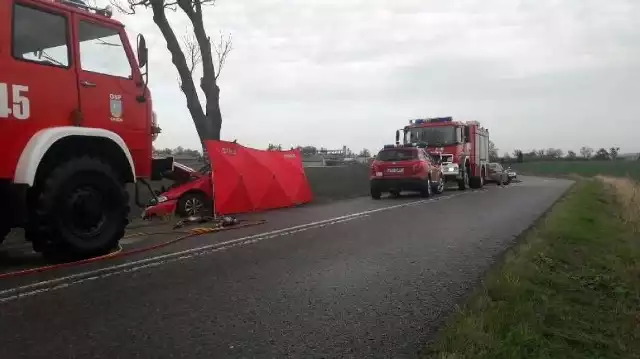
(162, 199)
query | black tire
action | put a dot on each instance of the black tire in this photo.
(438, 188)
(476, 182)
(375, 194)
(4, 232)
(426, 191)
(193, 204)
(80, 211)
(463, 184)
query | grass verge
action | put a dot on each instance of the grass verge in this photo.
(628, 195)
(570, 290)
(582, 168)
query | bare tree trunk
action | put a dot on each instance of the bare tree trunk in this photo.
(179, 61)
(208, 82)
(208, 121)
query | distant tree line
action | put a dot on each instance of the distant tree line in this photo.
(306, 151)
(313, 150)
(585, 153)
(555, 154)
(178, 151)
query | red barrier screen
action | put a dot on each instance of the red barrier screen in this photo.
(246, 179)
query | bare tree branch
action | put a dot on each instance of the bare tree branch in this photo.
(223, 48)
(197, 49)
(192, 51)
(194, 57)
(180, 63)
(128, 7)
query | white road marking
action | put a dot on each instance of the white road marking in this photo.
(29, 290)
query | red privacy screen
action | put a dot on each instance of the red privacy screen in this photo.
(246, 179)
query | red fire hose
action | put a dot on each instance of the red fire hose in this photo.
(119, 253)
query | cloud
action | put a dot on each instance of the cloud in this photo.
(538, 73)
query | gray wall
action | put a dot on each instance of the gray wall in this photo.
(339, 182)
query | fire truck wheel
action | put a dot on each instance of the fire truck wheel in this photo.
(464, 182)
(4, 231)
(192, 204)
(375, 194)
(475, 182)
(81, 210)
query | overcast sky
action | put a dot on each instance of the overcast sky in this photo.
(537, 73)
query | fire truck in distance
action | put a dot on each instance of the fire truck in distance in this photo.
(76, 125)
(463, 147)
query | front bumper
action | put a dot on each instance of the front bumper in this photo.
(451, 172)
(398, 184)
(452, 176)
(163, 209)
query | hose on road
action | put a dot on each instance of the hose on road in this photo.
(224, 225)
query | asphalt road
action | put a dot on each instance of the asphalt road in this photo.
(355, 279)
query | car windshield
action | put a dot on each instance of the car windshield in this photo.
(397, 154)
(434, 136)
(435, 157)
(494, 166)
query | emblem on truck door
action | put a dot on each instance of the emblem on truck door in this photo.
(115, 105)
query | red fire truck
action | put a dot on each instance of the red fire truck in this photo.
(463, 147)
(76, 125)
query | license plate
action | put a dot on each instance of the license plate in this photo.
(395, 170)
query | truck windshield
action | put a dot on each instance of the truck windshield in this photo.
(397, 154)
(433, 136)
(44, 43)
(48, 42)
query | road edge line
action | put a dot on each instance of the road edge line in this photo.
(15, 293)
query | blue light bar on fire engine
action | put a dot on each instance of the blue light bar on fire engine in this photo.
(441, 119)
(431, 120)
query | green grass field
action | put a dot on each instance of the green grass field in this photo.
(583, 168)
(571, 289)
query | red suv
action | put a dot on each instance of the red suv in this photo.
(405, 168)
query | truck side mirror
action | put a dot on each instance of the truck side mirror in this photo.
(467, 134)
(143, 52)
(397, 137)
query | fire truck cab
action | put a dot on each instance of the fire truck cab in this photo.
(463, 147)
(76, 124)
